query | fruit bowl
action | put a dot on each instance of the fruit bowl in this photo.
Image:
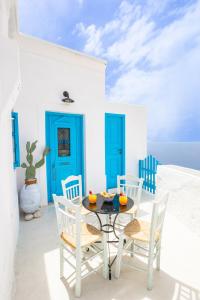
(108, 197)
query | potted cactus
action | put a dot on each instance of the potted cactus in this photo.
(30, 193)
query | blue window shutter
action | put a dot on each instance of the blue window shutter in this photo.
(15, 135)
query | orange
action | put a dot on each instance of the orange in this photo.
(123, 200)
(92, 198)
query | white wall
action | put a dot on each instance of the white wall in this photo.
(48, 70)
(9, 216)
(182, 154)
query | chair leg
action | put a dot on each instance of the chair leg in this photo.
(150, 270)
(132, 249)
(61, 261)
(105, 256)
(78, 273)
(132, 244)
(158, 258)
(119, 256)
(131, 217)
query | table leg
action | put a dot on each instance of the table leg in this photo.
(107, 231)
(100, 223)
(114, 226)
(109, 265)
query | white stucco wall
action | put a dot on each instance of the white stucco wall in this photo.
(9, 89)
(9, 220)
(48, 70)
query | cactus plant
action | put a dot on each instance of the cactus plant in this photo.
(31, 168)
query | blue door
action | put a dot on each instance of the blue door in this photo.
(64, 136)
(114, 148)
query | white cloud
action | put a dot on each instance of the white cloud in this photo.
(93, 35)
(157, 52)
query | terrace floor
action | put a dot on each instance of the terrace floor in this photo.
(37, 265)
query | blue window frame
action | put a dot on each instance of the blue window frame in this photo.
(15, 138)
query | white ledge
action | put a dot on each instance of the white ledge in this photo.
(179, 169)
(41, 42)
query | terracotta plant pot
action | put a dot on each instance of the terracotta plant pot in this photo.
(30, 181)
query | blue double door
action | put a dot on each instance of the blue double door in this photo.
(64, 136)
(114, 148)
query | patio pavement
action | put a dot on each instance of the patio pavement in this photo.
(37, 265)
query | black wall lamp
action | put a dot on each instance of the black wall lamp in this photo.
(67, 99)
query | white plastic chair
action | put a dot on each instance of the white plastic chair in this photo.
(72, 191)
(131, 186)
(74, 236)
(144, 238)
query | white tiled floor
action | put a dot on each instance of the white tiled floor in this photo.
(37, 266)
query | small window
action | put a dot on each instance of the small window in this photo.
(63, 142)
(15, 138)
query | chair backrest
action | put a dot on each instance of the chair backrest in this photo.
(72, 188)
(158, 213)
(130, 186)
(68, 218)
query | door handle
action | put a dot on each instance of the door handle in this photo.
(65, 163)
(120, 151)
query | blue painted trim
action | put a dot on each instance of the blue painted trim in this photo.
(48, 115)
(83, 158)
(15, 135)
(123, 142)
(48, 162)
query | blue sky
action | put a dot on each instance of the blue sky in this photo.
(152, 48)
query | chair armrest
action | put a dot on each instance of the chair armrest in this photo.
(66, 214)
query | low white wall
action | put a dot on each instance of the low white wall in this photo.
(184, 187)
(182, 153)
(48, 70)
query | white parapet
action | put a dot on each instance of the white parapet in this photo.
(184, 187)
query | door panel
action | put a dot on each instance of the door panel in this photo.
(114, 148)
(65, 138)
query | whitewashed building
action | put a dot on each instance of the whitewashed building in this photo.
(91, 137)
(46, 71)
(103, 139)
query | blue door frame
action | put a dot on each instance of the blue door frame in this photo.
(114, 148)
(59, 165)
